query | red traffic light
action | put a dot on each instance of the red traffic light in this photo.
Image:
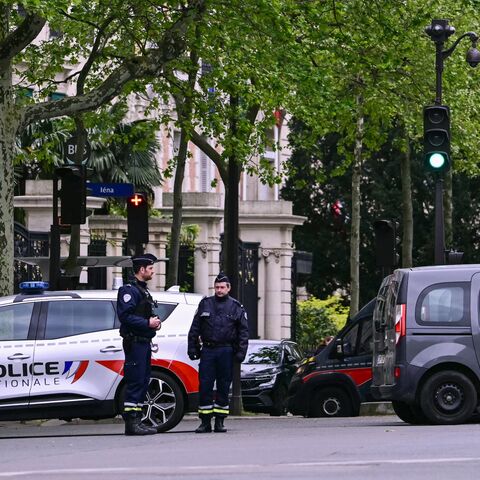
(136, 200)
(137, 219)
(337, 208)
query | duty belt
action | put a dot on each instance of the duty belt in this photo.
(136, 338)
(216, 344)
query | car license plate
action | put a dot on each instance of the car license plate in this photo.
(380, 359)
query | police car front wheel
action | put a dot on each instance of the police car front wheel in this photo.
(164, 405)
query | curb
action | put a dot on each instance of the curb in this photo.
(376, 408)
(366, 409)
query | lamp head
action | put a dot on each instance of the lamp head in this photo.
(473, 56)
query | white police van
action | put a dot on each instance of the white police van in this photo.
(61, 356)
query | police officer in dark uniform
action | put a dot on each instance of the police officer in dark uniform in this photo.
(218, 335)
(138, 327)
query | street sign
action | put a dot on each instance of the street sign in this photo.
(110, 189)
(70, 147)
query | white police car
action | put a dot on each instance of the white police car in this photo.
(61, 356)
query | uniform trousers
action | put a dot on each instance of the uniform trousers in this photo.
(216, 365)
(137, 371)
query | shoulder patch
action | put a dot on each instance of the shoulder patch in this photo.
(127, 297)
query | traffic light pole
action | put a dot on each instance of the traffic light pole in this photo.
(439, 31)
(54, 266)
(439, 223)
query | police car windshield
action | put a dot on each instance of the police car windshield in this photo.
(263, 354)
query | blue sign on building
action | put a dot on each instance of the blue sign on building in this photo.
(110, 189)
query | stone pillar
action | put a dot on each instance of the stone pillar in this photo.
(273, 294)
(201, 269)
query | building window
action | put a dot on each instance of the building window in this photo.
(56, 96)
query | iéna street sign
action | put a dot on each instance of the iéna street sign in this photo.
(110, 189)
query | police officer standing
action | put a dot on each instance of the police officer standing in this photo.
(218, 335)
(138, 327)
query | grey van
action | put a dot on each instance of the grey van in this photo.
(426, 343)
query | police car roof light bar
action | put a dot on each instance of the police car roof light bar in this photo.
(33, 287)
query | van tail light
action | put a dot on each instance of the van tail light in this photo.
(400, 321)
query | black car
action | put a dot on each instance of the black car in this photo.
(266, 373)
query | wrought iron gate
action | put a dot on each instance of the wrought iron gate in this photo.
(28, 244)
(248, 283)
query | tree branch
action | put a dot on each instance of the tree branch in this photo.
(146, 66)
(215, 157)
(20, 38)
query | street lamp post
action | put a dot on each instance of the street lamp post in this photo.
(439, 31)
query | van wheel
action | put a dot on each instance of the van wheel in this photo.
(409, 413)
(164, 406)
(448, 398)
(332, 402)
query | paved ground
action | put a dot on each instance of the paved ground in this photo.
(373, 447)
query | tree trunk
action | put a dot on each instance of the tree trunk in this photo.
(356, 199)
(174, 247)
(407, 210)
(231, 229)
(230, 241)
(8, 130)
(184, 112)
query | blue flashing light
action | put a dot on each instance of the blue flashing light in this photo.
(31, 287)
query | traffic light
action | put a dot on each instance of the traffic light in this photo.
(436, 138)
(386, 243)
(337, 209)
(73, 195)
(137, 219)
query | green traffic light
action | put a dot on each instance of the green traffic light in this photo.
(437, 161)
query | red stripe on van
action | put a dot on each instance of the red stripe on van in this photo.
(358, 375)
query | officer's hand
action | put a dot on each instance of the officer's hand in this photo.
(193, 355)
(239, 357)
(155, 323)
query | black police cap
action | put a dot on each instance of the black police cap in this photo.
(145, 259)
(222, 277)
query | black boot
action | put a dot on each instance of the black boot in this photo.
(205, 426)
(134, 426)
(219, 428)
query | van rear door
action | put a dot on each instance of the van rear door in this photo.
(384, 334)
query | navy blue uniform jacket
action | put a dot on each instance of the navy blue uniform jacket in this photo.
(128, 299)
(223, 322)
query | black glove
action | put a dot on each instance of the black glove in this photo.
(239, 357)
(194, 355)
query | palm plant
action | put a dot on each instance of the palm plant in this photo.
(127, 156)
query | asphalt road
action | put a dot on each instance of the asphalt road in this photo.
(255, 447)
